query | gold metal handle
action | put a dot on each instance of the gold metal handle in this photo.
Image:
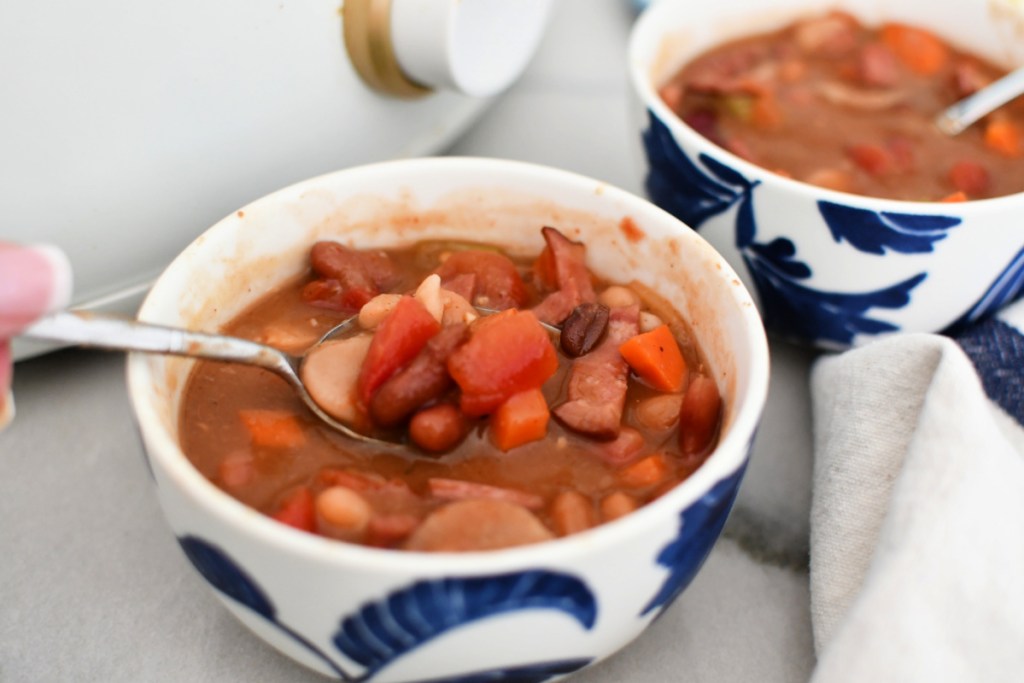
(367, 28)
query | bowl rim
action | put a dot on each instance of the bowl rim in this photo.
(729, 456)
(654, 24)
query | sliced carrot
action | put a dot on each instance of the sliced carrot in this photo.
(272, 428)
(656, 358)
(922, 52)
(953, 197)
(521, 419)
(646, 471)
(1003, 136)
(297, 510)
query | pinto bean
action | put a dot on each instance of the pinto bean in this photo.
(571, 512)
(617, 504)
(438, 428)
(343, 513)
(477, 525)
(659, 412)
(617, 296)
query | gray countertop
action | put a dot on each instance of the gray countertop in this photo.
(95, 589)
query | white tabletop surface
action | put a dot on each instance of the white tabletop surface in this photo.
(94, 588)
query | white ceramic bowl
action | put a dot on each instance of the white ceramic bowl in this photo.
(360, 613)
(829, 268)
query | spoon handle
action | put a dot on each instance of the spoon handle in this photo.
(123, 334)
(959, 116)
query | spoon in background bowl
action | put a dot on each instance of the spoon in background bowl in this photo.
(959, 116)
(121, 334)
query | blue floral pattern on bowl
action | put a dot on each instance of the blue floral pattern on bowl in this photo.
(382, 631)
(700, 525)
(695, 191)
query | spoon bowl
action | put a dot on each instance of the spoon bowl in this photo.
(958, 117)
(113, 333)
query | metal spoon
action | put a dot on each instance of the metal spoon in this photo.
(122, 334)
(961, 115)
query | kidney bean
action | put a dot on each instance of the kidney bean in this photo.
(583, 329)
(699, 416)
(438, 428)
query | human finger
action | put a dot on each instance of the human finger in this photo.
(33, 280)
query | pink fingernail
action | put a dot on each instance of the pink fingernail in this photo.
(33, 280)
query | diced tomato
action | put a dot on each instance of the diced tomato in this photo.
(969, 177)
(874, 159)
(398, 339)
(498, 284)
(297, 510)
(506, 354)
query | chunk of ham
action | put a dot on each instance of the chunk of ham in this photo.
(598, 380)
(571, 277)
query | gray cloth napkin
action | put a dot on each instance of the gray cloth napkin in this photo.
(917, 519)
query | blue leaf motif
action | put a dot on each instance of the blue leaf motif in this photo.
(1008, 286)
(386, 629)
(699, 527)
(780, 252)
(226, 576)
(531, 673)
(873, 232)
(677, 185)
(830, 316)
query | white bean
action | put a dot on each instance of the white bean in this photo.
(617, 296)
(376, 309)
(456, 308)
(330, 373)
(429, 294)
(649, 321)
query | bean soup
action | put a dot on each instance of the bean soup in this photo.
(528, 398)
